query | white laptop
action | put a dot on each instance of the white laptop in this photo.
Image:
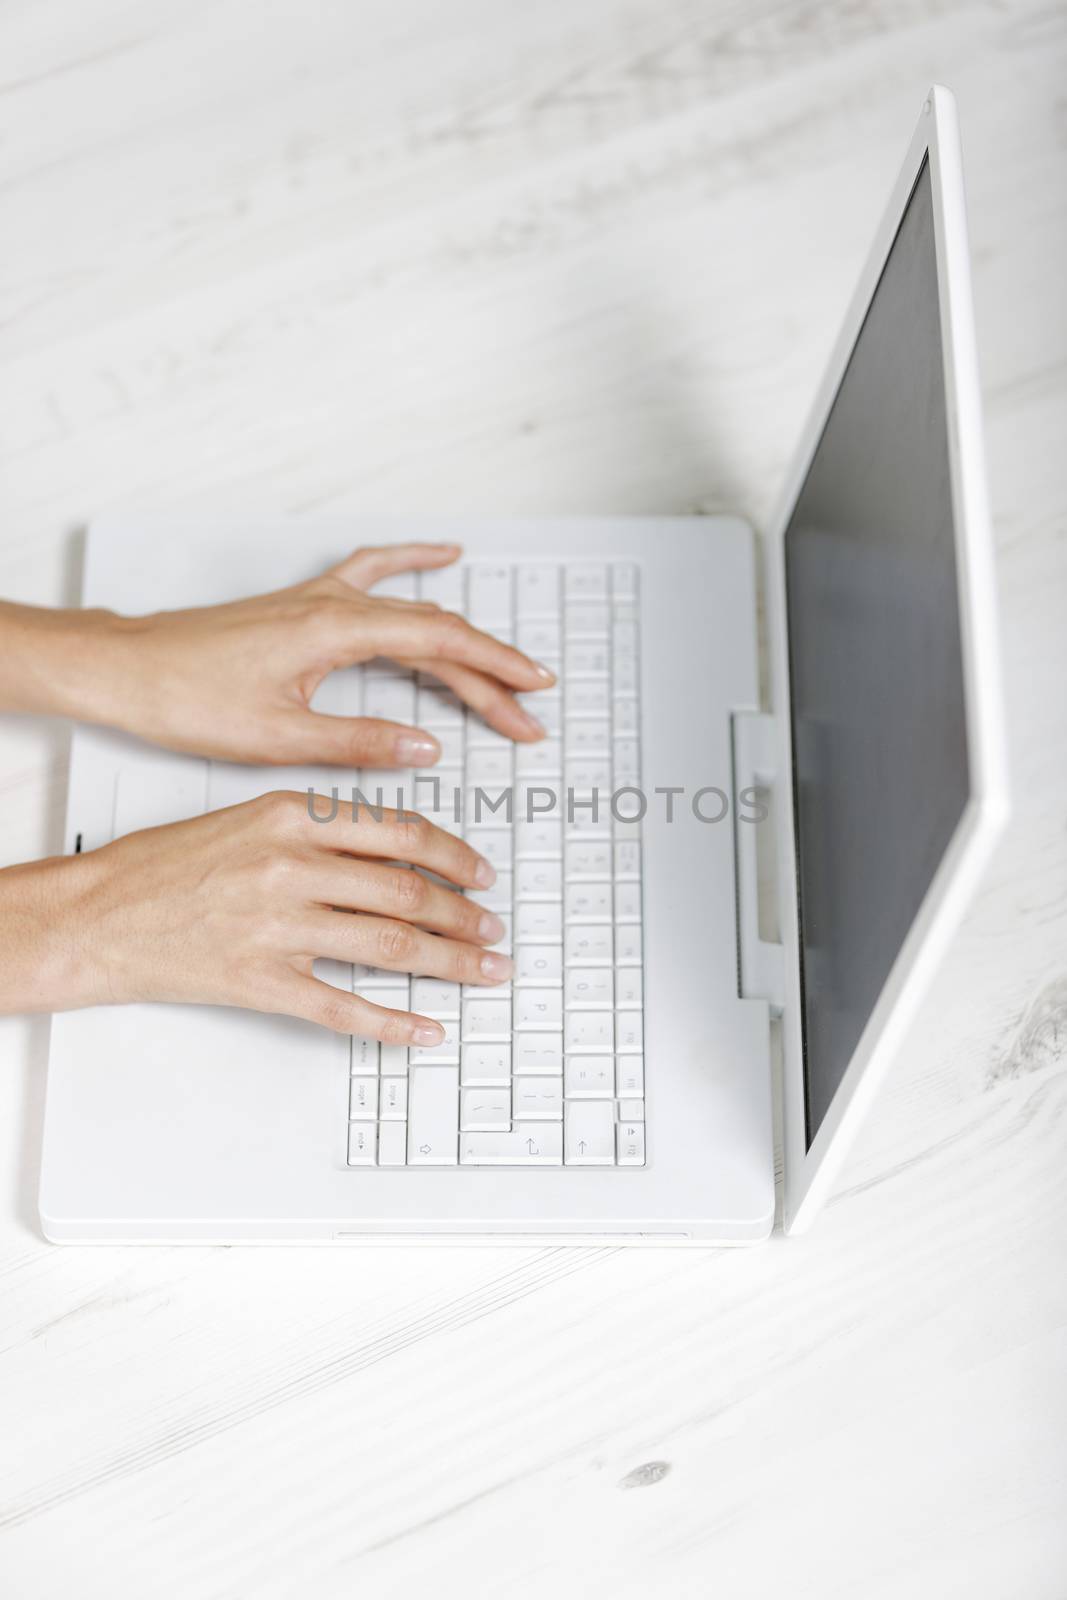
(693, 885)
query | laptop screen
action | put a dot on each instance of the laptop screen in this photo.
(879, 736)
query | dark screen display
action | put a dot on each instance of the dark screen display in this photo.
(879, 735)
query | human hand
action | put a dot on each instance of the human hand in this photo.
(235, 681)
(231, 908)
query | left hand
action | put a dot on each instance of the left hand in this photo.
(235, 681)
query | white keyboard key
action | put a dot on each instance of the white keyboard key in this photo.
(590, 776)
(542, 640)
(537, 592)
(628, 861)
(392, 1144)
(628, 989)
(585, 658)
(627, 762)
(588, 699)
(444, 1054)
(588, 1032)
(539, 880)
(488, 769)
(394, 1059)
(627, 902)
(529, 1144)
(488, 595)
(589, 620)
(490, 805)
(486, 1021)
(626, 717)
(390, 698)
(480, 736)
(589, 1133)
(587, 861)
(624, 678)
(437, 707)
(485, 1065)
(363, 1099)
(589, 989)
(435, 997)
(628, 946)
(538, 1010)
(586, 823)
(631, 1144)
(538, 964)
(539, 924)
(365, 1053)
(538, 1054)
(631, 1110)
(541, 760)
(499, 896)
(495, 844)
(538, 840)
(585, 580)
(376, 978)
(589, 1078)
(629, 1076)
(450, 760)
(587, 902)
(588, 736)
(537, 1099)
(362, 1144)
(624, 580)
(433, 1116)
(393, 1101)
(483, 1110)
(629, 1033)
(587, 946)
(547, 707)
(624, 635)
(444, 586)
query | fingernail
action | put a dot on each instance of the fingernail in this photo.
(427, 1033)
(490, 928)
(484, 873)
(532, 723)
(497, 968)
(544, 673)
(415, 750)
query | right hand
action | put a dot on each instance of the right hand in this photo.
(232, 908)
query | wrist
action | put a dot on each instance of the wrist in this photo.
(48, 960)
(65, 663)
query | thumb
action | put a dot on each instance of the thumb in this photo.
(361, 742)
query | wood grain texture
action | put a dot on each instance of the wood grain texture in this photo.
(563, 257)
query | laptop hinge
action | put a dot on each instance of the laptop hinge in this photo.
(761, 962)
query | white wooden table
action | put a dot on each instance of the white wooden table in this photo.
(490, 256)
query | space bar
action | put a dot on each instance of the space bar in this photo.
(536, 1144)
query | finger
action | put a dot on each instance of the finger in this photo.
(400, 947)
(440, 636)
(359, 741)
(369, 566)
(334, 1008)
(494, 704)
(401, 893)
(391, 835)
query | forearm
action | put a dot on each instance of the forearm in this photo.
(61, 663)
(46, 961)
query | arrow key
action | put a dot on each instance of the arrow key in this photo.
(589, 1133)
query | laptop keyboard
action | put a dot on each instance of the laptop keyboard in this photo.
(547, 1070)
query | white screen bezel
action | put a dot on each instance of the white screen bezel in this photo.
(808, 1173)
